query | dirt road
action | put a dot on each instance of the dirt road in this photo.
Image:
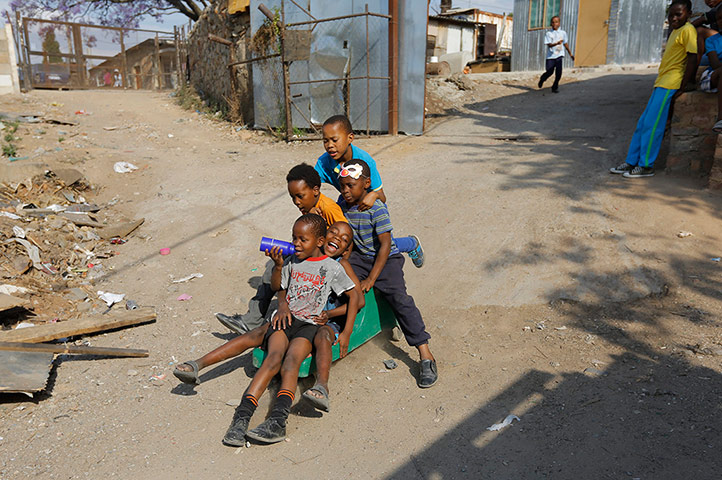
(552, 290)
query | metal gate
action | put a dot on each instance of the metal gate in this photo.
(66, 55)
(340, 64)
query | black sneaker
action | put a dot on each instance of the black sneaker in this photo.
(555, 90)
(429, 375)
(236, 433)
(639, 172)
(541, 83)
(622, 168)
(270, 431)
(234, 323)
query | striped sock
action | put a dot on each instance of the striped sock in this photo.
(248, 405)
(282, 407)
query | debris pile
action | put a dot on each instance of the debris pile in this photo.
(53, 240)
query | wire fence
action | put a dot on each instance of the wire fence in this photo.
(56, 54)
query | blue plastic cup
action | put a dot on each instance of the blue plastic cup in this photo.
(287, 248)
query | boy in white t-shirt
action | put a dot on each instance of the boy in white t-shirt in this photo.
(554, 39)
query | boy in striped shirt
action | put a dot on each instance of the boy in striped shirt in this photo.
(377, 262)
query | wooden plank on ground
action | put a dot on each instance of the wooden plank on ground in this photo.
(82, 350)
(8, 301)
(25, 372)
(80, 326)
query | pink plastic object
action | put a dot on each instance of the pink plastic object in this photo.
(183, 296)
(165, 251)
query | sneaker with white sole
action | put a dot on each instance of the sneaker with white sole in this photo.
(622, 168)
(717, 127)
(639, 172)
(417, 254)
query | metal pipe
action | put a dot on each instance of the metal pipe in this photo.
(265, 57)
(368, 74)
(264, 10)
(354, 15)
(102, 27)
(341, 79)
(393, 68)
(303, 9)
(221, 40)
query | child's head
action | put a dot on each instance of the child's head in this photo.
(556, 22)
(309, 235)
(355, 179)
(338, 238)
(679, 12)
(337, 137)
(304, 186)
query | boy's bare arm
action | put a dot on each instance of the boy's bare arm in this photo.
(571, 55)
(381, 256)
(370, 198)
(277, 258)
(282, 318)
(352, 275)
(689, 73)
(352, 310)
(714, 60)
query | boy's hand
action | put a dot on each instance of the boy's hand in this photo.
(276, 256)
(366, 285)
(343, 339)
(368, 201)
(322, 318)
(317, 211)
(282, 318)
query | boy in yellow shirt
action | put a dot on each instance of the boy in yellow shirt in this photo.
(678, 68)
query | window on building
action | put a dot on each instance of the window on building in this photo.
(542, 11)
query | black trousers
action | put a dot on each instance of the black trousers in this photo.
(392, 286)
(553, 64)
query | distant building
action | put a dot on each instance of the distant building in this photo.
(147, 68)
(600, 32)
(477, 32)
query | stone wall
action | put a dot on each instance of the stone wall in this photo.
(692, 142)
(208, 60)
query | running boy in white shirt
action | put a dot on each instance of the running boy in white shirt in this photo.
(554, 40)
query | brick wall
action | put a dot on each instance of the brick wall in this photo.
(208, 60)
(692, 142)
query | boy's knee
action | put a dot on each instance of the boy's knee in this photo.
(273, 362)
(323, 337)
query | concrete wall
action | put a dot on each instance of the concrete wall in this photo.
(208, 60)
(8, 62)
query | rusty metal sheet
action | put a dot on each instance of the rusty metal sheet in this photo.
(24, 372)
(298, 45)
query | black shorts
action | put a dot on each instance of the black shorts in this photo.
(298, 329)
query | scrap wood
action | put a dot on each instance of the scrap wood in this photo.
(80, 326)
(82, 219)
(119, 230)
(8, 302)
(24, 372)
(83, 350)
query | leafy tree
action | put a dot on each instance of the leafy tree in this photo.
(118, 13)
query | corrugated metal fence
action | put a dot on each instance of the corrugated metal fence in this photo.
(636, 29)
(529, 51)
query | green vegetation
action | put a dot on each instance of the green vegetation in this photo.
(9, 148)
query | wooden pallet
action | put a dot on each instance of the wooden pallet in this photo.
(374, 317)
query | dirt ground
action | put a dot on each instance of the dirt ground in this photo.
(553, 291)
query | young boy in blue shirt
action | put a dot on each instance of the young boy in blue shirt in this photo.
(678, 67)
(377, 262)
(337, 140)
(709, 82)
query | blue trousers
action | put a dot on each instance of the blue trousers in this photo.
(647, 138)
